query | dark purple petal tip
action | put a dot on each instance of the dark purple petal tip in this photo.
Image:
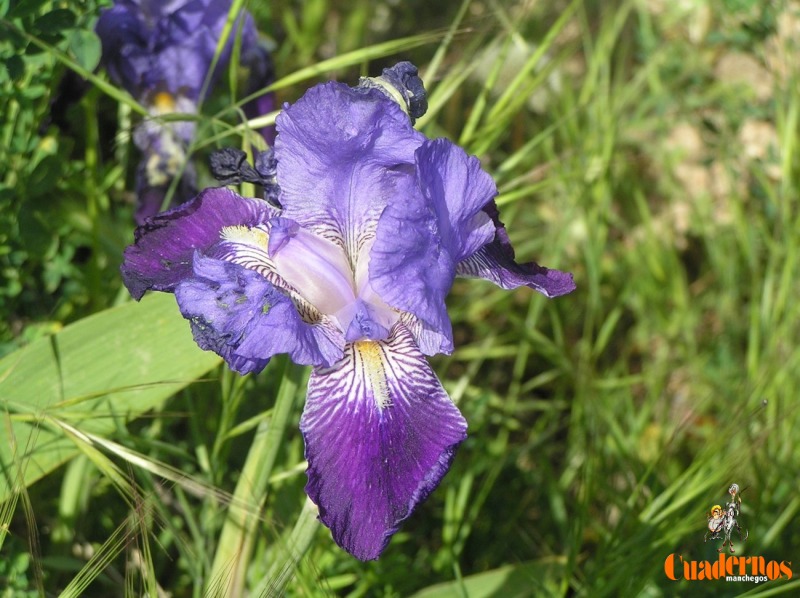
(230, 167)
(402, 82)
(496, 262)
(161, 256)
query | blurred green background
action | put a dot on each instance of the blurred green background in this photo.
(649, 147)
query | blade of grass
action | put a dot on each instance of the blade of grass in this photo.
(232, 557)
(289, 551)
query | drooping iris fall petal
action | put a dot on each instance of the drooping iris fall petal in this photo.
(380, 433)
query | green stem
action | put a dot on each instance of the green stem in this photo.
(228, 572)
(93, 207)
(289, 552)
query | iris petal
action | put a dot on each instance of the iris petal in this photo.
(316, 267)
(380, 434)
(124, 38)
(164, 247)
(340, 153)
(427, 230)
(242, 317)
(158, 46)
(366, 322)
(495, 262)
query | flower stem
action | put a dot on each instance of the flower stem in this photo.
(231, 560)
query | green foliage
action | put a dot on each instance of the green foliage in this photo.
(14, 577)
(650, 148)
(88, 376)
(45, 238)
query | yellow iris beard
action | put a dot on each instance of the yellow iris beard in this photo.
(371, 356)
(245, 235)
(164, 103)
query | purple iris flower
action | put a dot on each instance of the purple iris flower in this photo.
(349, 275)
(161, 53)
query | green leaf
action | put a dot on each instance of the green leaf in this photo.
(54, 21)
(24, 8)
(33, 231)
(95, 374)
(15, 66)
(524, 579)
(85, 46)
(45, 176)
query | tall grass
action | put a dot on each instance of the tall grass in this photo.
(650, 148)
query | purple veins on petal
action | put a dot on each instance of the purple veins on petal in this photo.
(341, 154)
(242, 317)
(380, 434)
(164, 246)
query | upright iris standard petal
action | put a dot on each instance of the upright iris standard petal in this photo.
(340, 155)
(164, 249)
(495, 262)
(380, 434)
(424, 233)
